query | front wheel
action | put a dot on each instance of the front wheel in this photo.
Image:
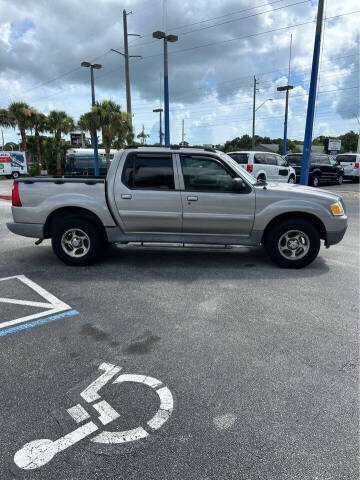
(293, 243)
(340, 179)
(315, 181)
(76, 241)
(292, 179)
(15, 175)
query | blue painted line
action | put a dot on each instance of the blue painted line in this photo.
(35, 323)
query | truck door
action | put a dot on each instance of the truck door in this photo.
(210, 205)
(147, 195)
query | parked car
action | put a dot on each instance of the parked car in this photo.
(350, 163)
(265, 166)
(322, 169)
(182, 195)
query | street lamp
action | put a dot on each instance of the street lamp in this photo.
(159, 110)
(281, 89)
(95, 66)
(167, 38)
(255, 110)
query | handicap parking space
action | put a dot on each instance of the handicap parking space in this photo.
(258, 364)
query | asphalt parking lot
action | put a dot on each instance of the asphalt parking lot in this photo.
(258, 365)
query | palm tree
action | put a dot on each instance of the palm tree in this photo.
(59, 122)
(86, 123)
(19, 114)
(114, 124)
(38, 122)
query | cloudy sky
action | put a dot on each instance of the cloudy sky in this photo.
(222, 45)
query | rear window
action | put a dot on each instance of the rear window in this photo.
(294, 159)
(149, 172)
(346, 158)
(241, 158)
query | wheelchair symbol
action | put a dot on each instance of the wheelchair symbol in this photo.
(37, 453)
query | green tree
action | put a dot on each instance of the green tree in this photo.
(19, 115)
(114, 124)
(38, 122)
(58, 123)
(349, 141)
(86, 123)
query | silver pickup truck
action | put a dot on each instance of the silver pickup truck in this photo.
(176, 195)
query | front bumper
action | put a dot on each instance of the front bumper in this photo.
(33, 230)
(332, 238)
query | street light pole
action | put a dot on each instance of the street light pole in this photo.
(95, 66)
(253, 122)
(159, 110)
(167, 38)
(304, 176)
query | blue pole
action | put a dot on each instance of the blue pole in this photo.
(304, 176)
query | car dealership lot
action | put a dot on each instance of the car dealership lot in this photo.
(261, 362)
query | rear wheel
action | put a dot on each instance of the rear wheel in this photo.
(15, 175)
(76, 241)
(315, 181)
(292, 243)
(261, 177)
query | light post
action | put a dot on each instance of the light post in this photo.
(254, 111)
(95, 66)
(159, 110)
(167, 38)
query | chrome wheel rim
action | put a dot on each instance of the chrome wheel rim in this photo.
(291, 180)
(340, 180)
(294, 245)
(75, 243)
(316, 182)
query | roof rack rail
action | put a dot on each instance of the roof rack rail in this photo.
(172, 147)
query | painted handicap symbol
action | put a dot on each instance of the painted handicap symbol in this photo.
(37, 453)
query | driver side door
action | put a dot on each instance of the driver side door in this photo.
(210, 204)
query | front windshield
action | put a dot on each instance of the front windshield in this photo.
(242, 172)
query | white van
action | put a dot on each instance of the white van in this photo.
(13, 164)
(350, 162)
(266, 166)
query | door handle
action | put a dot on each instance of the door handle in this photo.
(192, 199)
(126, 196)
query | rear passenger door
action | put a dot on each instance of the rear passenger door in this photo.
(148, 197)
(271, 167)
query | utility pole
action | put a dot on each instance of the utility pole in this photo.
(183, 132)
(304, 176)
(281, 89)
(167, 38)
(127, 66)
(253, 122)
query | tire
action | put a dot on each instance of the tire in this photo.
(275, 243)
(356, 180)
(340, 179)
(15, 175)
(292, 179)
(261, 177)
(85, 232)
(316, 181)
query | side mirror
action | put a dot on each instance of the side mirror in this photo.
(238, 185)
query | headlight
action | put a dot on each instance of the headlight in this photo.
(337, 209)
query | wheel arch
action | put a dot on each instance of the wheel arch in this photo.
(63, 212)
(313, 219)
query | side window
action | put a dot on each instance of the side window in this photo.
(259, 158)
(241, 158)
(203, 174)
(280, 161)
(325, 160)
(149, 172)
(270, 159)
(314, 160)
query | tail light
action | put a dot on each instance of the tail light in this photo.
(356, 165)
(249, 168)
(15, 197)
